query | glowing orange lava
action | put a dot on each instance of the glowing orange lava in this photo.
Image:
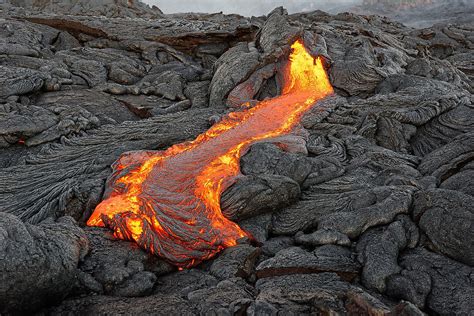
(168, 202)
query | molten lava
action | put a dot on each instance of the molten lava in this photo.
(168, 202)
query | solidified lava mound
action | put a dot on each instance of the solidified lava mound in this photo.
(183, 133)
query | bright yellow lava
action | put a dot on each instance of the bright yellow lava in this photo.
(169, 201)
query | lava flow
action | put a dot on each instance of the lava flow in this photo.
(168, 202)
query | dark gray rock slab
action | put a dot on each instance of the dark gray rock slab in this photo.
(233, 67)
(295, 260)
(462, 181)
(322, 237)
(300, 294)
(101, 105)
(268, 158)
(361, 185)
(52, 115)
(105, 8)
(273, 245)
(258, 226)
(38, 264)
(356, 73)
(120, 267)
(447, 217)
(228, 297)
(254, 195)
(433, 281)
(448, 159)
(277, 34)
(183, 282)
(374, 206)
(309, 294)
(237, 261)
(378, 250)
(18, 81)
(109, 305)
(197, 93)
(443, 129)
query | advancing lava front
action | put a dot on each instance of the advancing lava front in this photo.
(169, 201)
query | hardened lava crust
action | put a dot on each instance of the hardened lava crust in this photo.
(356, 201)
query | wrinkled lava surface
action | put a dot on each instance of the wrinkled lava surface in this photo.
(168, 202)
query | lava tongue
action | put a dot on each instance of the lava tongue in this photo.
(170, 203)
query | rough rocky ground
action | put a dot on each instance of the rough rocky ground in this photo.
(420, 13)
(367, 208)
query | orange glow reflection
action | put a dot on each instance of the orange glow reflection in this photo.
(168, 202)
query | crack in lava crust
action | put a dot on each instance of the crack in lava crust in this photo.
(168, 202)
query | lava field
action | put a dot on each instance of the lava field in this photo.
(211, 164)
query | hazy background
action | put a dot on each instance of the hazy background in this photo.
(249, 7)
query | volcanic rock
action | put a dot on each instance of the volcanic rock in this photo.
(237, 261)
(428, 279)
(229, 71)
(365, 207)
(102, 305)
(322, 237)
(254, 195)
(184, 282)
(269, 159)
(299, 293)
(38, 264)
(84, 165)
(113, 269)
(295, 260)
(379, 248)
(420, 13)
(108, 8)
(316, 293)
(446, 217)
(272, 246)
(258, 227)
(228, 297)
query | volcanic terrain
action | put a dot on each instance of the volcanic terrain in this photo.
(211, 164)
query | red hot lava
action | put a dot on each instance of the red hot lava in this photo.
(168, 202)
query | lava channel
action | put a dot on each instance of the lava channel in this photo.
(168, 202)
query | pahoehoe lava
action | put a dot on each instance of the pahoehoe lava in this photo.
(362, 205)
(169, 201)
